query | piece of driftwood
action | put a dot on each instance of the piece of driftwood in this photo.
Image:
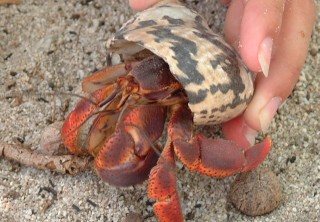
(65, 164)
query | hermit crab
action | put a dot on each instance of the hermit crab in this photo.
(173, 66)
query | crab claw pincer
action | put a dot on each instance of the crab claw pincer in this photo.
(215, 158)
(212, 157)
(127, 157)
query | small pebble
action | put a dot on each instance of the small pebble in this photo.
(10, 83)
(115, 59)
(50, 142)
(314, 51)
(46, 205)
(133, 217)
(256, 193)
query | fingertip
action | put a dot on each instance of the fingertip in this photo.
(237, 130)
(261, 21)
(233, 23)
(264, 55)
(140, 5)
(262, 109)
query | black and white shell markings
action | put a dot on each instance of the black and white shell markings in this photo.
(217, 83)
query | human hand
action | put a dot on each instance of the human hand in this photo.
(272, 37)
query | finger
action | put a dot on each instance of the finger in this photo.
(139, 5)
(288, 58)
(260, 24)
(233, 22)
(237, 130)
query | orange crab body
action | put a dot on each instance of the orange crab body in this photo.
(173, 66)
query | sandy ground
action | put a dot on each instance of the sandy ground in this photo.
(50, 47)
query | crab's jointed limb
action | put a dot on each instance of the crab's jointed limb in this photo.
(72, 127)
(212, 157)
(126, 158)
(162, 187)
(215, 158)
(102, 89)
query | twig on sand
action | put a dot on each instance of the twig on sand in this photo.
(2, 2)
(65, 164)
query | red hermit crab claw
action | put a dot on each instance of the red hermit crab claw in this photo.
(215, 158)
(127, 158)
(221, 158)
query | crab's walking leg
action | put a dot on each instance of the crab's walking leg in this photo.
(106, 76)
(162, 187)
(217, 158)
(126, 158)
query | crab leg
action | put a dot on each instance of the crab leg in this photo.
(162, 187)
(217, 158)
(126, 158)
(106, 76)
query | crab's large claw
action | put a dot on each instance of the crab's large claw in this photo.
(162, 187)
(126, 158)
(222, 158)
(217, 158)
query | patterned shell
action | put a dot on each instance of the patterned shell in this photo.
(217, 83)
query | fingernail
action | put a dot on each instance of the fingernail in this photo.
(264, 55)
(250, 135)
(268, 112)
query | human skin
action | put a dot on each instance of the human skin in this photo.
(272, 37)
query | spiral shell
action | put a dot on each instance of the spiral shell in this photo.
(217, 83)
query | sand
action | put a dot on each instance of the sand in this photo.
(51, 47)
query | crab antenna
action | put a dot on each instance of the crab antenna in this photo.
(28, 93)
(75, 95)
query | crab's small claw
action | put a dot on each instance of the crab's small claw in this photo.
(102, 127)
(74, 126)
(102, 89)
(217, 158)
(126, 158)
(162, 187)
